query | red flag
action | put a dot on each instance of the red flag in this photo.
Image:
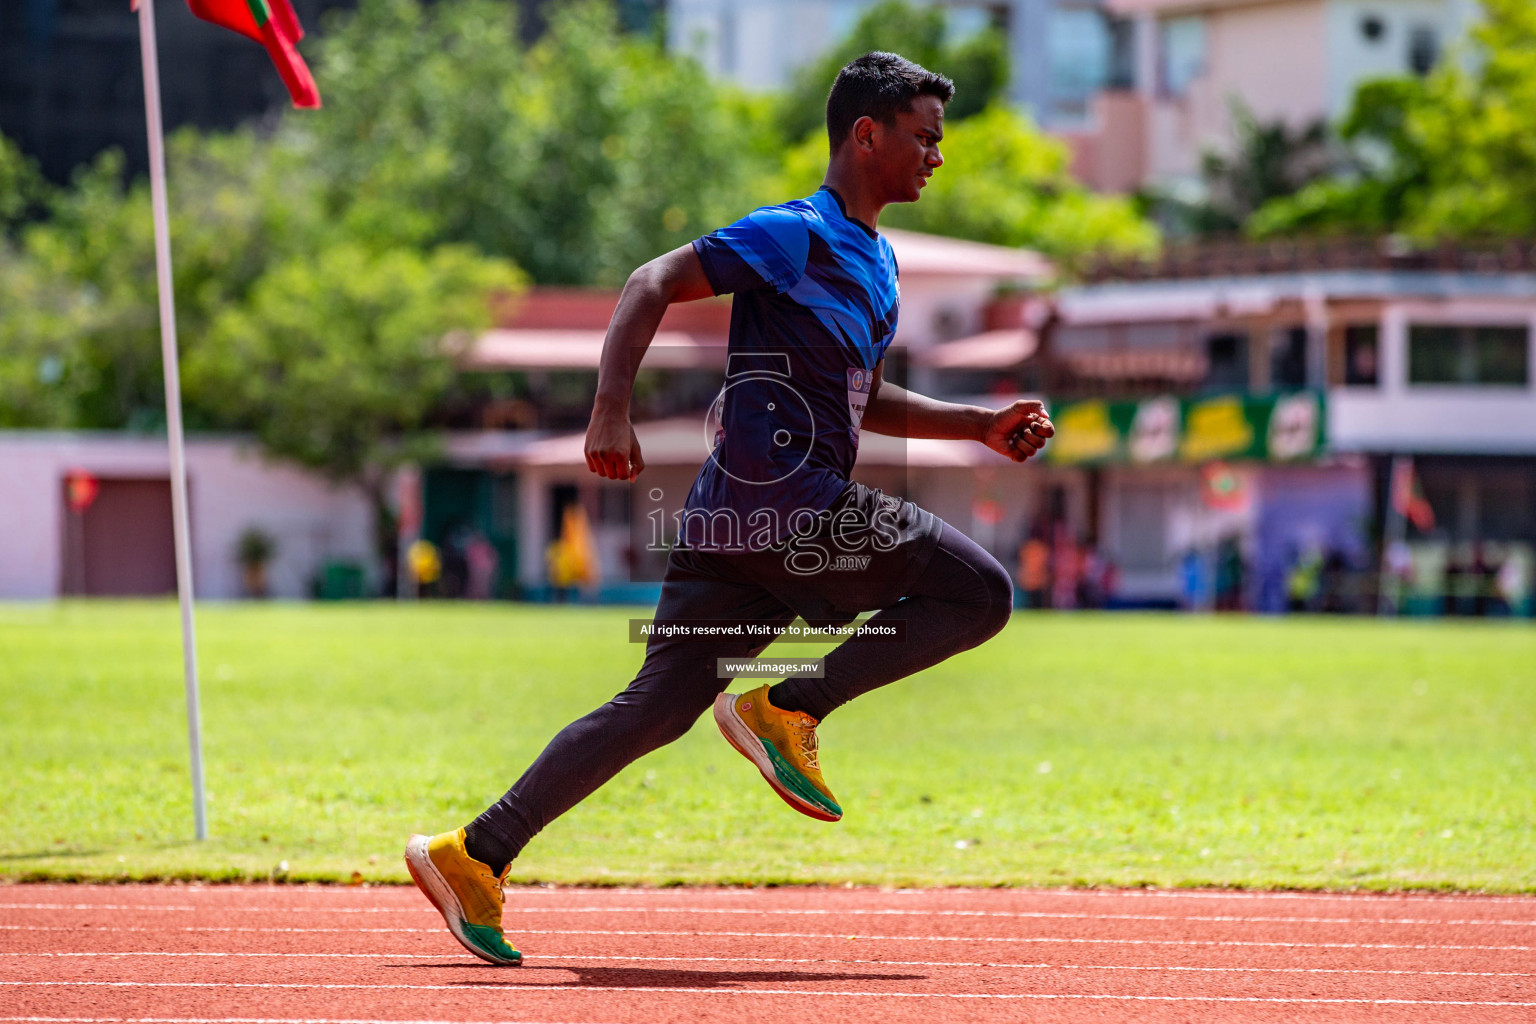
(81, 489)
(1408, 497)
(273, 24)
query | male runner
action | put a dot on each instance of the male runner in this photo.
(814, 311)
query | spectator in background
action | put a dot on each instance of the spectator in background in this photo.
(482, 562)
(572, 557)
(1484, 581)
(1230, 573)
(1066, 568)
(425, 567)
(1302, 583)
(1190, 571)
(1090, 585)
(455, 577)
(1510, 583)
(1399, 575)
(1333, 582)
(1035, 570)
(1456, 597)
(1109, 588)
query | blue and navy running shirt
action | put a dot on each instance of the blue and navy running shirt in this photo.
(815, 309)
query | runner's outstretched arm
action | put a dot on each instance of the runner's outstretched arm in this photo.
(612, 449)
(1017, 430)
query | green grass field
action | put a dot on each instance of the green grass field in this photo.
(1071, 749)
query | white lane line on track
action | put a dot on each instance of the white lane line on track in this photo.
(390, 889)
(239, 1020)
(798, 935)
(760, 992)
(538, 959)
(805, 912)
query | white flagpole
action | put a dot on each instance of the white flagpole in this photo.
(149, 52)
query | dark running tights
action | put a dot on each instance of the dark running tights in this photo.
(961, 599)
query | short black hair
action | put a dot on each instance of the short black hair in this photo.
(879, 85)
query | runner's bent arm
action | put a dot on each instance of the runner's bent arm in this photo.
(612, 450)
(1018, 430)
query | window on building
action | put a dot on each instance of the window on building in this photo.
(1227, 356)
(1479, 499)
(1183, 54)
(1361, 356)
(1078, 43)
(1423, 49)
(1288, 359)
(949, 323)
(1122, 53)
(1456, 354)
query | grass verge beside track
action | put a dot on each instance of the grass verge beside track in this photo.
(1072, 749)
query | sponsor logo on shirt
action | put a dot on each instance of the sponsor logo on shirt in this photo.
(858, 397)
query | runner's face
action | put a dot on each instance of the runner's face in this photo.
(907, 153)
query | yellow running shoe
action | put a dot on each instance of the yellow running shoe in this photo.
(464, 891)
(783, 746)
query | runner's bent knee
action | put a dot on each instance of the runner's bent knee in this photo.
(998, 586)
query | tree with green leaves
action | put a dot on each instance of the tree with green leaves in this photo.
(339, 356)
(1447, 156)
(577, 159)
(90, 264)
(23, 192)
(1269, 160)
(272, 297)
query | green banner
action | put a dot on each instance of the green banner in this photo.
(1277, 428)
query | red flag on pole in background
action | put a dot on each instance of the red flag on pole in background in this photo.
(1408, 497)
(273, 24)
(81, 489)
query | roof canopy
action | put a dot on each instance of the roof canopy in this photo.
(937, 256)
(512, 349)
(992, 350)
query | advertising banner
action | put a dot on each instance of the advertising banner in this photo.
(1164, 429)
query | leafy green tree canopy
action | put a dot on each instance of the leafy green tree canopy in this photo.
(339, 354)
(271, 291)
(86, 276)
(578, 159)
(22, 189)
(1271, 160)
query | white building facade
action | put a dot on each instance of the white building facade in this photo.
(1291, 61)
(120, 542)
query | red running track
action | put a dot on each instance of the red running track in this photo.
(305, 955)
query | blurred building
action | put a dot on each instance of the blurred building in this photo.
(1291, 61)
(1257, 394)
(89, 514)
(1227, 417)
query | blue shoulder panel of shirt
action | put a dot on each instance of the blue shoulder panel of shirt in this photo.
(809, 252)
